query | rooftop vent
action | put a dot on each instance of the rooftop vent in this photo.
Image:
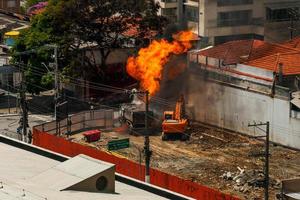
(81, 173)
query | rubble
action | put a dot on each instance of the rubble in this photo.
(244, 180)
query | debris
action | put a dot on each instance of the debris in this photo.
(244, 180)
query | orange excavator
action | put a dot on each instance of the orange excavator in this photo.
(175, 122)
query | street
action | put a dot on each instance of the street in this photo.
(10, 123)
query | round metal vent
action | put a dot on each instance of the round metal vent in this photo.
(101, 183)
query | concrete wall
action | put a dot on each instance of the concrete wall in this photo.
(233, 108)
(208, 19)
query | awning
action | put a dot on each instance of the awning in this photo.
(191, 3)
(12, 33)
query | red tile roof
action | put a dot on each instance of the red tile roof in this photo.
(133, 32)
(259, 54)
(232, 52)
(289, 61)
(268, 49)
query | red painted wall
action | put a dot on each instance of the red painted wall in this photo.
(129, 168)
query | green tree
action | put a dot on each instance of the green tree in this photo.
(72, 24)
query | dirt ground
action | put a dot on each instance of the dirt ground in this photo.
(208, 155)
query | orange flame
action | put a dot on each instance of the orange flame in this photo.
(147, 67)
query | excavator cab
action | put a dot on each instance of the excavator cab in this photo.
(174, 122)
(168, 115)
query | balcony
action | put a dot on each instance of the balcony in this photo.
(235, 22)
(168, 3)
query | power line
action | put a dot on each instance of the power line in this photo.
(107, 88)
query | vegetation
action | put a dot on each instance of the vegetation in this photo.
(73, 24)
(30, 3)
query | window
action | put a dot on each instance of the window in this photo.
(11, 3)
(235, 18)
(227, 38)
(168, 11)
(192, 13)
(283, 14)
(169, 1)
(233, 2)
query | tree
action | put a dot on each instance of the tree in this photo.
(72, 24)
(30, 3)
(107, 22)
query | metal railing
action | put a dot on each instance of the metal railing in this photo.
(235, 22)
(85, 120)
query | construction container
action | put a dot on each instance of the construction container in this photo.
(92, 135)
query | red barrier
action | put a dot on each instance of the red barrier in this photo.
(129, 168)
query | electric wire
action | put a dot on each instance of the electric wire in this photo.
(105, 88)
(100, 86)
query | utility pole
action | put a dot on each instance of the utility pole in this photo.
(56, 77)
(7, 88)
(147, 150)
(56, 96)
(147, 140)
(56, 87)
(266, 167)
(24, 108)
(56, 80)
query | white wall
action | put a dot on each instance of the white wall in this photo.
(255, 71)
(234, 108)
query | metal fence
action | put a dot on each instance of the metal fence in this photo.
(85, 120)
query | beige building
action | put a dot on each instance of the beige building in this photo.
(225, 20)
(10, 5)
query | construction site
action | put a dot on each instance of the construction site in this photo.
(164, 99)
(157, 128)
(217, 158)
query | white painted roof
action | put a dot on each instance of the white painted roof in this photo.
(293, 195)
(19, 168)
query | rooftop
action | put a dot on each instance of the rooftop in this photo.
(268, 49)
(293, 43)
(259, 54)
(232, 52)
(21, 168)
(8, 22)
(290, 63)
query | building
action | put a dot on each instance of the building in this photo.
(225, 20)
(246, 81)
(10, 5)
(29, 172)
(10, 25)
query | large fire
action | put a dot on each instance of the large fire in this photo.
(147, 67)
